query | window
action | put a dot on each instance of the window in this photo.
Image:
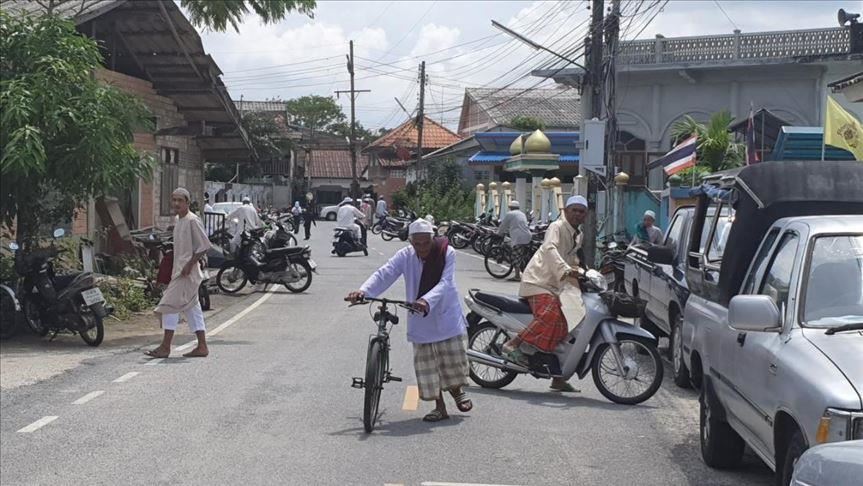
(481, 175)
(760, 261)
(399, 173)
(720, 234)
(834, 289)
(170, 178)
(777, 280)
(675, 231)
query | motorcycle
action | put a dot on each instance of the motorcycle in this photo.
(58, 303)
(279, 235)
(9, 309)
(344, 242)
(622, 357)
(255, 263)
(612, 265)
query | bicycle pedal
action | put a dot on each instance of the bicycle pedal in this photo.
(393, 378)
(358, 383)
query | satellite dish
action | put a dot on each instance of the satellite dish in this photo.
(845, 17)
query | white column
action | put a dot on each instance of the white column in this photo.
(521, 192)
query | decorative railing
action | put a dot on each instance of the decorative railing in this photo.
(737, 46)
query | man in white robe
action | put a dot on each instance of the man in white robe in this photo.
(347, 215)
(243, 218)
(181, 296)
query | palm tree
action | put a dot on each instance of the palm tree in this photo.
(716, 148)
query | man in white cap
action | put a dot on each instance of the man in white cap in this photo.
(556, 261)
(381, 208)
(514, 224)
(243, 218)
(190, 246)
(646, 232)
(437, 331)
(347, 216)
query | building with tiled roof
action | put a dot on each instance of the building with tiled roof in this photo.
(330, 174)
(485, 109)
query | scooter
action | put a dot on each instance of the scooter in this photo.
(57, 303)
(344, 242)
(288, 266)
(622, 357)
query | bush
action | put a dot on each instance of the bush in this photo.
(440, 195)
(127, 296)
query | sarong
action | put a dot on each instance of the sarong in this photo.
(548, 327)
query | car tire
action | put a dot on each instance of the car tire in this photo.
(796, 448)
(678, 366)
(331, 216)
(721, 446)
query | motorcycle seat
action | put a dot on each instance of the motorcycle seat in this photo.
(287, 250)
(63, 281)
(506, 303)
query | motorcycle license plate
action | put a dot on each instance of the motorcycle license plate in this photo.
(92, 296)
(312, 264)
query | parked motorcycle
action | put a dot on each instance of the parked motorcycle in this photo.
(58, 303)
(344, 242)
(9, 309)
(279, 235)
(255, 263)
(622, 357)
(612, 265)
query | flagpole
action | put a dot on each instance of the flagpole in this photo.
(824, 129)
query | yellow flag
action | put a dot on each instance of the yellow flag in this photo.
(842, 130)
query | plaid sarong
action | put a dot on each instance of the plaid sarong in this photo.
(548, 326)
(441, 366)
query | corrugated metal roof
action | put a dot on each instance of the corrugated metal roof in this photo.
(335, 164)
(80, 10)
(557, 108)
(258, 106)
(804, 143)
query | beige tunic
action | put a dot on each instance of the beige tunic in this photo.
(545, 272)
(190, 238)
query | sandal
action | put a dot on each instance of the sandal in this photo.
(435, 416)
(153, 353)
(463, 403)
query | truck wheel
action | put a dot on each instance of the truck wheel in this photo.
(721, 446)
(795, 449)
(678, 367)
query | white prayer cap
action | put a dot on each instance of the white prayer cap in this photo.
(573, 200)
(246, 199)
(514, 204)
(650, 214)
(181, 191)
(420, 226)
(347, 200)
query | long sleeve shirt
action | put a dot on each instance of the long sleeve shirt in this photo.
(381, 208)
(558, 254)
(347, 214)
(445, 319)
(514, 223)
(189, 239)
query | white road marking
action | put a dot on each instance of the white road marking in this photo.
(411, 401)
(128, 376)
(38, 424)
(432, 483)
(154, 361)
(477, 257)
(230, 321)
(86, 398)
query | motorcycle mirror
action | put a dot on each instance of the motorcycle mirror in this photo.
(13, 246)
(59, 232)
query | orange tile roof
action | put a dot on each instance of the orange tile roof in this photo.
(335, 164)
(435, 136)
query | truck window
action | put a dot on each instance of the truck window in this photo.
(720, 236)
(834, 289)
(760, 261)
(675, 231)
(777, 280)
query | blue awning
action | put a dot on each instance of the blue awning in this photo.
(498, 158)
(804, 143)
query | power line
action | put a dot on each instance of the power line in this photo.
(726, 14)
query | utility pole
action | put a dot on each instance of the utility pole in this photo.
(421, 118)
(612, 38)
(355, 183)
(591, 107)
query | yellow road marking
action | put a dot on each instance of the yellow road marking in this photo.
(412, 399)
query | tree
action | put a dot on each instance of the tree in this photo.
(364, 135)
(217, 15)
(316, 112)
(65, 137)
(526, 123)
(440, 194)
(716, 149)
(265, 135)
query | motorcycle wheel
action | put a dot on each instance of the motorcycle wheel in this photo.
(305, 281)
(476, 243)
(498, 263)
(34, 320)
(638, 354)
(481, 340)
(459, 241)
(204, 296)
(387, 236)
(376, 229)
(231, 278)
(92, 335)
(8, 316)
(292, 240)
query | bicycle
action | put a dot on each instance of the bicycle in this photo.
(377, 359)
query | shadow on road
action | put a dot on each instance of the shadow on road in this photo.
(554, 399)
(402, 428)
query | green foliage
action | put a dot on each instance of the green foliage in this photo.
(217, 14)
(716, 149)
(316, 112)
(127, 296)
(265, 135)
(440, 194)
(364, 135)
(526, 123)
(65, 137)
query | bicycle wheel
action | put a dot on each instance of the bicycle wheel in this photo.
(498, 262)
(375, 364)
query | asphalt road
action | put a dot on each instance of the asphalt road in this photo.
(273, 405)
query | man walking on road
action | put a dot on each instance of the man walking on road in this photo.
(181, 296)
(514, 224)
(437, 330)
(308, 219)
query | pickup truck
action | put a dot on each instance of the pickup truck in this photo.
(773, 327)
(663, 286)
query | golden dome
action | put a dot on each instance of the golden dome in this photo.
(537, 143)
(492, 186)
(480, 187)
(555, 182)
(546, 183)
(621, 179)
(506, 185)
(516, 146)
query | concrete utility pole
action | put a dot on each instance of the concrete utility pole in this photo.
(612, 38)
(355, 183)
(421, 118)
(591, 107)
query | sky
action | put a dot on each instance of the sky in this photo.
(306, 56)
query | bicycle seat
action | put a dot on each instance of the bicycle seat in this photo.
(506, 303)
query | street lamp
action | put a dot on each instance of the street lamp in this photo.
(534, 45)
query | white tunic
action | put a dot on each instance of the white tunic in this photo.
(189, 240)
(346, 216)
(445, 319)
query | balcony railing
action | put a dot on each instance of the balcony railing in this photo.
(720, 49)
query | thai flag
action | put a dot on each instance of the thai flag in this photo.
(681, 157)
(751, 152)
